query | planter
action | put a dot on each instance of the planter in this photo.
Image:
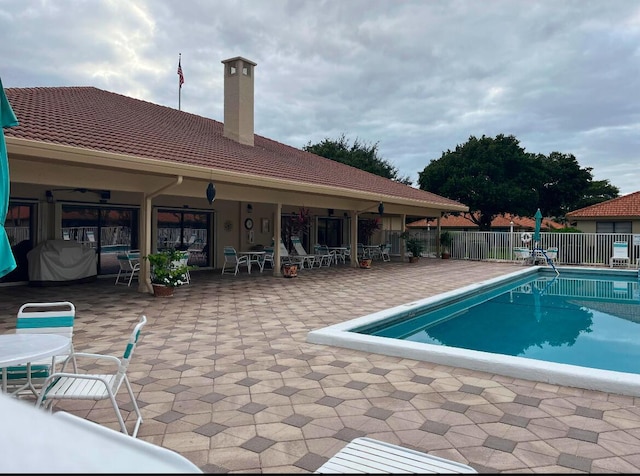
(160, 290)
(365, 263)
(414, 259)
(290, 270)
(446, 255)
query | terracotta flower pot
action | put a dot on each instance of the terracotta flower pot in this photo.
(160, 290)
(365, 263)
(290, 270)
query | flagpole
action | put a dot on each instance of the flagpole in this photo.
(179, 79)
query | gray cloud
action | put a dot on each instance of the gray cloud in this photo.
(416, 77)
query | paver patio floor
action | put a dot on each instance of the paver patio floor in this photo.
(224, 376)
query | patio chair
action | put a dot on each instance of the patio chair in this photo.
(384, 252)
(129, 263)
(323, 256)
(620, 254)
(40, 318)
(522, 254)
(96, 386)
(286, 258)
(232, 261)
(304, 257)
(366, 455)
(268, 257)
(552, 255)
(184, 261)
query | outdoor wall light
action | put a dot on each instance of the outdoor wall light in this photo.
(381, 208)
(49, 195)
(249, 208)
(211, 192)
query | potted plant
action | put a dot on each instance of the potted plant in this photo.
(414, 246)
(445, 242)
(167, 272)
(366, 229)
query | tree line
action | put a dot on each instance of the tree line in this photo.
(491, 175)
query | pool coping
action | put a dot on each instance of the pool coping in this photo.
(339, 335)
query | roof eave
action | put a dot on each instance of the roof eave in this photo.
(44, 150)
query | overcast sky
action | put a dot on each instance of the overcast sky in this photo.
(416, 77)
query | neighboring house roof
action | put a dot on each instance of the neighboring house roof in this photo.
(622, 207)
(91, 118)
(463, 221)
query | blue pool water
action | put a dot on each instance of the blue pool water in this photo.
(580, 328)
(577, 319)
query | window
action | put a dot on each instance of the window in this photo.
(613, 227)
(109, 230)
(246, 69)
(187, 231)
(232, 70)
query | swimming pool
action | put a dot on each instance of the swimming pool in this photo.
(602, 307)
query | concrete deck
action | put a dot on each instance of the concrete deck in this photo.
(225, 377)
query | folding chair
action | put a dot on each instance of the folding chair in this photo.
(93, 386)
(40, 318)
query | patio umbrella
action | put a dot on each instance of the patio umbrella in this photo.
(7, 119)
(536, 233)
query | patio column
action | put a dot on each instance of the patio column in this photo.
(277, 233)
(354, 238)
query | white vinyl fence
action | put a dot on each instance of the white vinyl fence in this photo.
(579, 249)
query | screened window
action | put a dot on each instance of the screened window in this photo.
(613, 227)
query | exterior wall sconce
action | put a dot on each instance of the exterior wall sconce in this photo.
(381, 208)
(211, 192)
(49, 195)
(330, 211)
(249, 208)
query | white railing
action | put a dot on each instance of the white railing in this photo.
(579, 249)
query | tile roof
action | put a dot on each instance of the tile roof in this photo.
(463, 221)
(625, 206)
(91, 118)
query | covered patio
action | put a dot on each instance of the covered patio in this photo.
(224, 376)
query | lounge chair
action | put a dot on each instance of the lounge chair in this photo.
(286, 258)
(620, 254)
(366, 455)
(305, 257)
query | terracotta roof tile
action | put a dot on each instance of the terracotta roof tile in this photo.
(463, 221)
(92, 118)
(625, 206)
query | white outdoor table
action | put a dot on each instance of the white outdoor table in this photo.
(20, 349)
(36, 441)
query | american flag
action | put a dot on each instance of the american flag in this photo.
(180, 75)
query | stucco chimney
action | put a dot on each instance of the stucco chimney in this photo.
(238, 99)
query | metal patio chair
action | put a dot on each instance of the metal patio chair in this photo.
(40, 318)
(96, 386)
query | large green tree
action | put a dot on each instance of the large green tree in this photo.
(359, 155)
(566, 186)
(494, 176)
